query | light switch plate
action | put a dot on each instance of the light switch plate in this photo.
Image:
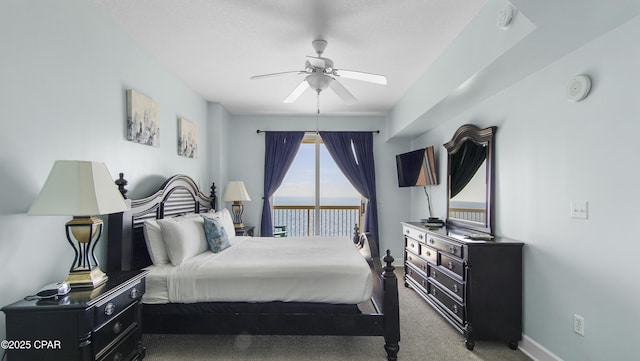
(580, 209)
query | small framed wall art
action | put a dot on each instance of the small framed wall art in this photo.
(187, 138)
(143, 122)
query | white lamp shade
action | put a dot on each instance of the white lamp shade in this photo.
(78, 188)
(236, 191)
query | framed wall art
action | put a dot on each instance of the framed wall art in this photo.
(143, 123)
(187, 138)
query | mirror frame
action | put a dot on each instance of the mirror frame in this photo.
(470, 132)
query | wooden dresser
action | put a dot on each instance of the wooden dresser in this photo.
(475, 285)
(95, 324)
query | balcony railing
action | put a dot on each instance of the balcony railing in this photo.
(334, 220)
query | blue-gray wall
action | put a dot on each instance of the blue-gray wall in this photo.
(64, 69)
(550, 151)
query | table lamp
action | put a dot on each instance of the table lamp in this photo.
(236, 193)
(82, 189)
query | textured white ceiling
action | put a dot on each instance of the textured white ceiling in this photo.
(214, 46)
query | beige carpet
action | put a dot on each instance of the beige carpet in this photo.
(425, 336)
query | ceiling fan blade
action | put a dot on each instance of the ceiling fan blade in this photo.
(316, 61)
(358, 75)
(295, 94)
(342, 92)
(276, 74)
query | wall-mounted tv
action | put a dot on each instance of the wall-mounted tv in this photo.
(416, 168)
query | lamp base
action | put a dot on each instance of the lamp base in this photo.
(86, 278)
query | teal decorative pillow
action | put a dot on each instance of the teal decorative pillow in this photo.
(215, 234)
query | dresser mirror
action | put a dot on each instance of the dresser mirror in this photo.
(470, 178)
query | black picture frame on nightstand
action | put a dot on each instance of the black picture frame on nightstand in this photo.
(85, 325)
(246, 231)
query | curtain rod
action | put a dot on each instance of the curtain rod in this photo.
(316, 131)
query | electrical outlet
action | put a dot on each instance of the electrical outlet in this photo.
(578, 325)
(580, 209)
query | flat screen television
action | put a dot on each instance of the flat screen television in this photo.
(416, 168)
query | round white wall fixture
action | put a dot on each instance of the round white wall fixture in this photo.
(578, 88)
(505, 17)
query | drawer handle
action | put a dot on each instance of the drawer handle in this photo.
(117, 327)
(109, 309)
(450, 265)
(407, 231)
(455, 308)
(118, 357)
(455, 287)
(424, 267)
(412, 245)
(409, 272)
(428, 254)
(134, 293)
(420, 236)
(433, 274)
(431, 241)
(424, 283)
(433, 291)
(452, 249)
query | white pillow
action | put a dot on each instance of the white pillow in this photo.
(183, 238)
(155, 242)
(227, 222)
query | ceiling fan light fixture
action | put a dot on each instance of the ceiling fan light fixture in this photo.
(318, 81)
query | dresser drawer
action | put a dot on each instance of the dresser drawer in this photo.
(429, 254)
(412, 245)
(414, 233)
(417, 277)
(121, 324)
(109, 309)
(453, 307)
(452, 264)
(416, 261)
(445, 246)
(455, 287)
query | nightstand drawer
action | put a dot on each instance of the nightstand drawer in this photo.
(110, 308)
(124, 350)
(118, 326)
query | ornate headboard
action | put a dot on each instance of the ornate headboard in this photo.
(126, 248)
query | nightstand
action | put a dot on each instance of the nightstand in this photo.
(86, 325)
(246, 231)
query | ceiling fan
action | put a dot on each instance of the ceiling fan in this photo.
(320, 75)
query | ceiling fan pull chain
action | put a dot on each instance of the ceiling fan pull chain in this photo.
(318, 113)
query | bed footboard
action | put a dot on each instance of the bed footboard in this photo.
(385, 291)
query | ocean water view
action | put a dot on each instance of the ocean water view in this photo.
(310, 201)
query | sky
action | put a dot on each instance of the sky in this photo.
(300, 180)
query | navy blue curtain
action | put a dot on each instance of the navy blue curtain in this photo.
(353, 153)
(280, 150)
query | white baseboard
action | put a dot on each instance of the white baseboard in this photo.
(536, 351)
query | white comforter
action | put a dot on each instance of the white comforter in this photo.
(290, 269)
